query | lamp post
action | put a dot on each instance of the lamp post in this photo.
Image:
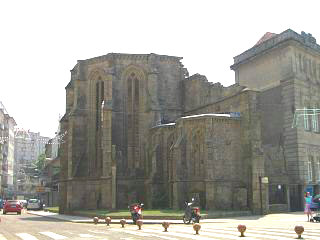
(262, 180)
(260, 188)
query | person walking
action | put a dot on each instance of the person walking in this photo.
(307, 209)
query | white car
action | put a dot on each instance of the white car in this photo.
(23, 203)
(34, 204)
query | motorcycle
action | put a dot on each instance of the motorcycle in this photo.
(136, 211)
(191, 213)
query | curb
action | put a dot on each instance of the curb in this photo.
(146, 219)
(101, 221)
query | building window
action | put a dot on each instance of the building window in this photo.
(318, 169)
(306, 119)
(310, 160)
(315, 118)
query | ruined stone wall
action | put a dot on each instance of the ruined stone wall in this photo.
(246, 103)
(198, 92)
(159, 165)
(273, 135)
(197, 157)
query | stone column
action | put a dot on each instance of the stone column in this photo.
(210, 195)
(64, 167)
(288, 197)
(114, 178)
(70, 147)
(259, 189)
(106, 145)
(69, 158)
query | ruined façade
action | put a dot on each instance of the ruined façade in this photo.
(139, 128)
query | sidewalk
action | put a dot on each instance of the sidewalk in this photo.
(211, 217)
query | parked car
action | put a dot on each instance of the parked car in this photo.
(34, 204)
(12, 206)
(1, 203)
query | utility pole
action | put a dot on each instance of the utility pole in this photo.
(260, 188)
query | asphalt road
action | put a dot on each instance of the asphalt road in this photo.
(276, 227)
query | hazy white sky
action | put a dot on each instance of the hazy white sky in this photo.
(41, 41)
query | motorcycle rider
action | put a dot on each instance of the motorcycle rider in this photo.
(191, 213)
(136, 211)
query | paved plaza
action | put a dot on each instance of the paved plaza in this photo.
(46, 226)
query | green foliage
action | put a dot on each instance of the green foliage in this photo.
(41, 161)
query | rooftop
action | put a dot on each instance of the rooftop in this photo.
(270, 40)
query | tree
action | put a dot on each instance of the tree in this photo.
(41, 161)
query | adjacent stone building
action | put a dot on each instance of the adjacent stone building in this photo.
(285, 69)
(139, 128)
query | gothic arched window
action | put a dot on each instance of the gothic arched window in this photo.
(133, 108)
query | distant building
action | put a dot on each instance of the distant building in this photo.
(28, 147)
(7, 124)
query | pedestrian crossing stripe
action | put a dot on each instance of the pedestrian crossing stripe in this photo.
(141, 234)
(53, 235)
(202, 235)
(279, 232)
(84, 235)
(186, 232)
(26, 236)
(226, 233)
(2, 237)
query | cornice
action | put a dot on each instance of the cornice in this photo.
(135, 57)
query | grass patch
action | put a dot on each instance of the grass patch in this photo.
(52, 209)
(126, 213)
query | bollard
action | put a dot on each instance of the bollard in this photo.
(122, 222)
(165, 225)
(242, 229)
(139, 223)
(196, 227)
(299, 230)
(95, 220)
(108, 220)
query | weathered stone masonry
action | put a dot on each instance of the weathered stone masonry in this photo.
(141, 129)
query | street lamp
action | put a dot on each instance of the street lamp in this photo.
(262, 180)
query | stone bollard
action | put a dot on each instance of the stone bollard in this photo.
(196, 227)
(95, 220)
(165, 225)
(122, 222)
(299, 230)
(108, 220)
(139, 223)
(242, 229)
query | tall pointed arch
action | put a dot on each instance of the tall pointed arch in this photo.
(100, 90)
(134, 80)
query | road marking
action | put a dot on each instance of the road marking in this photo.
(53, 235)
(26, 236)
(202, 235)
(2, 237)
(226, 233)
(84, 235)
(255, 234)
(95, 231)
(141, 234)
